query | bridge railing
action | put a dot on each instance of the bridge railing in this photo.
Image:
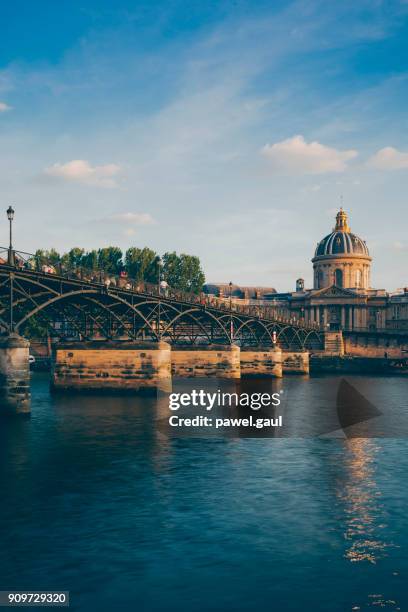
(33, 263)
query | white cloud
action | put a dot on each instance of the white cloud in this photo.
(4, 107)
(127, 222)
(400, 246)
(296, 156)
(134, 218)
(129, 232)
(81, 171)
(389, 158)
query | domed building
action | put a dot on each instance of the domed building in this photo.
(342, 297)
(342, 258)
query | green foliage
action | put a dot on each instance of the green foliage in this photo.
(73, 258)
(141, 264)
(171, 269)
(90, 260)
(35, 328)
(110, 259)
(183, 272)
(51, 257)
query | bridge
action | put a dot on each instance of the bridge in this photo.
(84, 305)
(118, 333)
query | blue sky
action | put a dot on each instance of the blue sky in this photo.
(225, 129)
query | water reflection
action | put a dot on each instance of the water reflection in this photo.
(361, 500)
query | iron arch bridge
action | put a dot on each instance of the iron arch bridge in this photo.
(86, 308)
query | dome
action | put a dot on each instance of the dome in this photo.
(341, 241)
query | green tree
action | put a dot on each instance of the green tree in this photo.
(141, 264)
(90, 260)
(192, 275)
(51, 257)
(36, 328)
(110, 259)
(73, 258)
(183, 272)
(171, 269)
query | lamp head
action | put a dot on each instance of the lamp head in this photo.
(10, 213)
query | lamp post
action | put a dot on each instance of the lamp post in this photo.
(10, 217)
(230, 309)
(159, 265)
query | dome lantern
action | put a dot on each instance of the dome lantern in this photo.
(342, 222)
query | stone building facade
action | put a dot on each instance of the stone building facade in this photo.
(239, 294)
(341, 297)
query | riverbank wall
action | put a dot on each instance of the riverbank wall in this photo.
(352, 364)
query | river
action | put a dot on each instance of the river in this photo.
(100, 499)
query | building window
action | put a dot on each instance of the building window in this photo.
(338, 278)
(358, 278)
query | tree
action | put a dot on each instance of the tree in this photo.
(90, 260)
(183, 272)
(110, 259)
(191, 274)
(171, 269)
(36, 328)
(73, 258)
(141, 264)
(51, 257)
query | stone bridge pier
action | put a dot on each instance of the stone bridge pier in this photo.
(222, 361)
(261, 361)
(143, 367)
(14, 375)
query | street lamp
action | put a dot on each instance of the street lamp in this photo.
(159, 265)
(230, 308)
(10, 217)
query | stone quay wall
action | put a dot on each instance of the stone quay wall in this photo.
(366, 344)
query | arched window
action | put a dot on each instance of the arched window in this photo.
(358, 278)
(320, 279)
(338, 278)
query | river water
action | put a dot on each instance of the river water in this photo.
(100, 499)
